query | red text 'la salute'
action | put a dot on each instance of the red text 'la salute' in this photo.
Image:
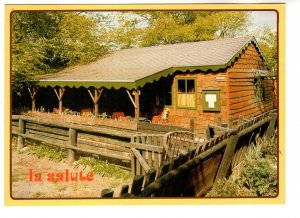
(66, 176)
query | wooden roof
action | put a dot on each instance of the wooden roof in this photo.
(133, 68)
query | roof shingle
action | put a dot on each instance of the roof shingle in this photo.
(133, 65)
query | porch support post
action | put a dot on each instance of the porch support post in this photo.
(60, 95)
(137, 105)
(95, 98)
(32, 93)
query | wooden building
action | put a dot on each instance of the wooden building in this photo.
(196, 81)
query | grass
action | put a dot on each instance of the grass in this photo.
(115, 184)
(14, 141)
(100, 167)
(38, 195)
(104, 168)
(258, 175)
(16, 177)
(44, 151)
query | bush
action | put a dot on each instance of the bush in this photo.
(228, 188)
(260, 169)
(259, 174)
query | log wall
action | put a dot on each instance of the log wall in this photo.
(182, 116)
(241, 93)
(236, 93)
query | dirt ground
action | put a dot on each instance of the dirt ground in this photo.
(22, 187)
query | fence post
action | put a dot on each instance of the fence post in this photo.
(124, 190)
(241, 118)
(209, 133)
(137, 184)
(22, 128)
(107, 193)
(271, 126)
(73, 142)
(192, 125)
(219, 121)
(230, 122)
(227, 157)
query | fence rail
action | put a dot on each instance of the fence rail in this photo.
(107, 142)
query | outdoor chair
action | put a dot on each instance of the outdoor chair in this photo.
(117, 115)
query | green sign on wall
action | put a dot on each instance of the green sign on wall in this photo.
(211, 100)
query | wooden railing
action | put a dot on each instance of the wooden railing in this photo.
(149, 151)
(193, 171)
(107, 142)
(146, 152)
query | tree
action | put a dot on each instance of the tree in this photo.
(267, 40)
(45, 42)
(138, 29)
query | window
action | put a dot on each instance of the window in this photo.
(211, 99)
(186, 95)
(259, 89)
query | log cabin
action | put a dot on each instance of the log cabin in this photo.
(188, 84)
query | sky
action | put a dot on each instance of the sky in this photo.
(264, 18)
(259, 19)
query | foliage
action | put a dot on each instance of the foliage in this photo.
(68, 111)
(98, 166)
(260, 169)
(104, 115)
(228, 188)
(139, 29)
(87, 114)
(41, 109)
(21, 110)
(267, 40)
(43, 151)
(45, 42)
(104, 168)
(258, 177)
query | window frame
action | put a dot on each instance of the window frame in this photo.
(195, 92)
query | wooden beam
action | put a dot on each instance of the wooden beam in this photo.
(95, 98)
(131, 99)
(271, 126)
(33, 93)
(22, 130)
(141, 160)
(73, 142)
(91, 95)
(227, 157)
(99, 91)
(59, 96)
(137, 104)
(60, 105)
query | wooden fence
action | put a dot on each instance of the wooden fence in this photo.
(195, 169)
(107, 142)
(176, 163)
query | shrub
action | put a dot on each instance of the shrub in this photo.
(228, 188)
(258, 177)
(260, 169)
